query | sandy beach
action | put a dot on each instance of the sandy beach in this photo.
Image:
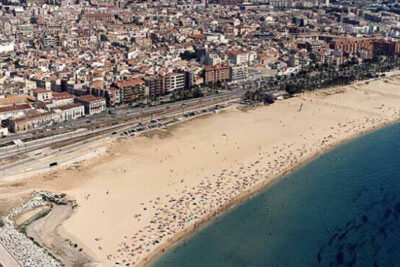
(141, 195)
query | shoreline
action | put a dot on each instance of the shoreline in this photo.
(243, 197)
(193, 151)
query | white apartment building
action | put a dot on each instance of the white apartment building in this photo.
(70, 112)
(239, 73)
(16, 111)
(93, 104)
(174, 81)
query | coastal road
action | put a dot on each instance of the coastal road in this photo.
(118, 114)
(6, 259)
(44, 156)
(126, 113)
(157, 112)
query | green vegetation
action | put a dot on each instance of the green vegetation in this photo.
(318, 76)
(41, 214)
(322, 76)
(187, 94)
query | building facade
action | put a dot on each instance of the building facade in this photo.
(41, 94)
(217, 73)
(155, 85)
(239, 73)
(16, 110)
(92, 104)
(174, 82)
(70, 112)
(131, 90)
(31, 122)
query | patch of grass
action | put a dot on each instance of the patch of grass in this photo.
(42, 214)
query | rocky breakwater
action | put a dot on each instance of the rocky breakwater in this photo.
(27, 252)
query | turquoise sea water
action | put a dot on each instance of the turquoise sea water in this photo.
(343, 209)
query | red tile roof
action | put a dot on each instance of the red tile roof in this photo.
(133, 82)
(69, 106)
(14, 108)
(61, 96)
(90, 98)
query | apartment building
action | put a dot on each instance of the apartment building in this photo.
(237, 57)
(15, 110)
(217, 73)
(31, 122)
(113, 96)
(352, 45)
(70, 112)
(61, 99)
(41, 94)
(155, 85)
(239, 73)
(131, 90)
(387, 48)
(92, 104)
(174, 82)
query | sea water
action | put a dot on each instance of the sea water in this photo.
(342, 209)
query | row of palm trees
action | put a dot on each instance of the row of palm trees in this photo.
(315, 76)
(318, 76)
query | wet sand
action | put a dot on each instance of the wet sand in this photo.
(146, 193)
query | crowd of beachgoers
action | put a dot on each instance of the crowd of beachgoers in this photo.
(147, 193)
(190, 207)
